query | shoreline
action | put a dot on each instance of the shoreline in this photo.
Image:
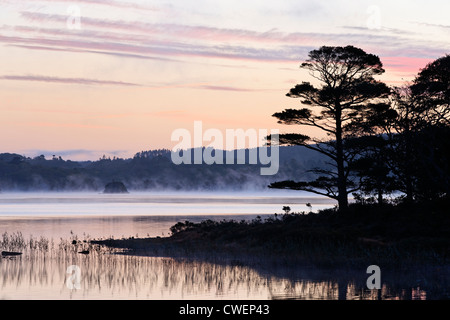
(388, 236)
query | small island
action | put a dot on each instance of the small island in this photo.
(115, 187)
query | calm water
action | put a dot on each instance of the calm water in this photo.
(104, 215)
(50, 221)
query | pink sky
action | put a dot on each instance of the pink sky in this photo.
(86, 78)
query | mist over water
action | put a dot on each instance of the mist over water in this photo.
(61, 214)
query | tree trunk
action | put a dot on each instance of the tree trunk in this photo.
(341, 183)
(409, 188)
(380, 190)
(342, 289)
(408, 169)
(380, 197)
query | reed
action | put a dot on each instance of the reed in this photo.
(390, 235)
(12, 242)
(45, 261)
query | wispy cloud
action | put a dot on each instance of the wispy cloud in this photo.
(137, 39)
(226, 88)
(382, 29)
(67, 125)
(82, 81)
(109, 3)
(85, 81)
(433, 25)
(108, 53)
(165, 49)
(141, 31)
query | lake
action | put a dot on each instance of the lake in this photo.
(145, 214)
(45, 224)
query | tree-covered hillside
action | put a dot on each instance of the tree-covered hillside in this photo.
(148, 170)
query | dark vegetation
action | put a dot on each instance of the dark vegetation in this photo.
(348, 90)
(380, 140)
(394, 235)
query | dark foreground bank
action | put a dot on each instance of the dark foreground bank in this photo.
(390, 235)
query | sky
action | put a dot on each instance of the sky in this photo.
(86, 78)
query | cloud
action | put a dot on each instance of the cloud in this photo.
(109, 53)
(407, 58)
(68, 125)
(381, 30)
(140, 38)
(433, 25)
(163, 48)
(180, 42)
(226, 88)
(109, 3)
(140, 31)
(82, 81)
(85, 81)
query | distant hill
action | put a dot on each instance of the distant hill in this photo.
(149, 170)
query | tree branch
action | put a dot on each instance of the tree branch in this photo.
(291, 185)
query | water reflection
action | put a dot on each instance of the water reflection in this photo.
(41, 274)
(105, 226)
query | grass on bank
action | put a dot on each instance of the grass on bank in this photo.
(383, 235)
